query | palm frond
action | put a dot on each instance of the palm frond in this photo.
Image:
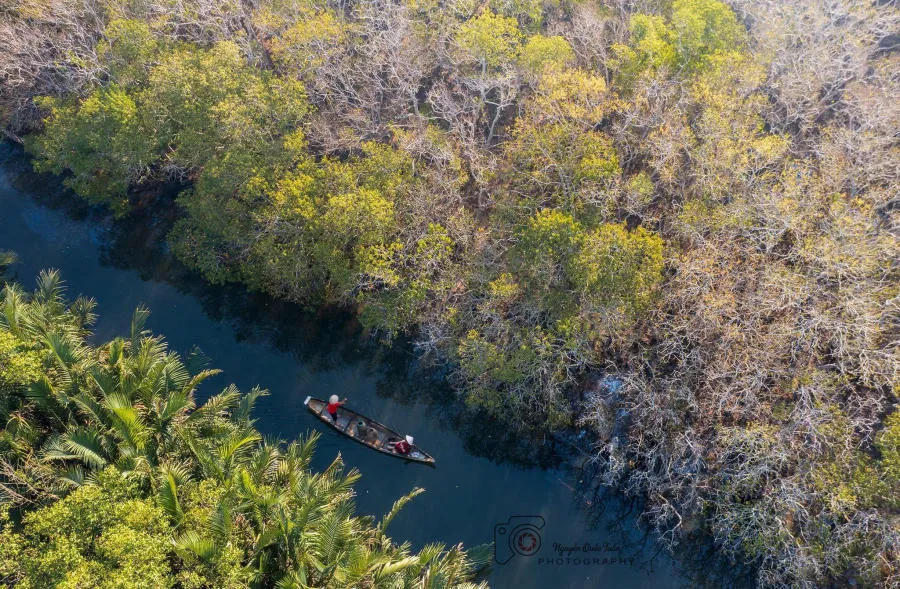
(172, 376)
(70, 355)
(168, 498)
(91, 409)
(50, 288)
(235, 448)
(209, 464)
(396, 566)
(176, 403)
(125, 421)
(220, 521)
(481, 558)
(74, 476)
(47, 398)
(398, 505)
(8, 258)
(82, 309)
(300, 452)
(12, 309)
(202, 375)
(245, 407)
(191, 543)
(217, 405)
(81, 444)
(138, 321)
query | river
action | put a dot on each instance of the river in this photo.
(482, 484)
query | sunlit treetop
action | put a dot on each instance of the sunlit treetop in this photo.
(489, 40)
(696, 31)
(540, 54)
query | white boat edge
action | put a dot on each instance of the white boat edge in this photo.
(306, 402)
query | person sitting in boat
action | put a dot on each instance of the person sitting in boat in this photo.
(333, 403)
(402, 446)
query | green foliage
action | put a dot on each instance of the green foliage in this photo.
(333, 213)
(305, 45)
(697, 31)
(461, 172)
(489, 40)
(128, 483)
(546, 245)
(541, 53)
(101, 535)
(398, 283)
(618, 268)
(487, 362)
(564, 160)
(530, 13)
(639, 191)
(888, 445)
(214, 108)
(103, 141)
(127, 49)
(651, 48)
(704, 28)
(19, 366)
(184, 106)
(7, 258)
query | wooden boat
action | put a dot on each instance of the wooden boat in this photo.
(365, 431)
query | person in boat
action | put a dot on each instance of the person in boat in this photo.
(333, 403)
(402, 446)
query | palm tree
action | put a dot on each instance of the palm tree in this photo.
(305, 533)
(46, 328)
(130, 405)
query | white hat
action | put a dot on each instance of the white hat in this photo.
(409, 440)
(333, 399)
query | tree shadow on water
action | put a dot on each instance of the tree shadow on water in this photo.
(321, 339)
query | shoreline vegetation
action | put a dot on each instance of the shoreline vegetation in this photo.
(115, 477)
(694, 197)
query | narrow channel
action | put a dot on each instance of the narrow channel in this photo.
(482, 484)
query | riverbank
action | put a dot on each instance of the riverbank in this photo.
(260, 341)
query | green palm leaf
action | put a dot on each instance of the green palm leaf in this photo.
(217, 405)
(168, 498)
(245, 407)
(192, 544)
(138, 321)
(220, 521)
(396, 566)
(8, 258)
(236, 446)
(82, 444)
(50, 288)
(83, 309)
(398, 505)
(125, 421)
(176, 403)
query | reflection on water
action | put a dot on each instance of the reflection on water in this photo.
(485, 485)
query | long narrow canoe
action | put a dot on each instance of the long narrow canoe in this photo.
(365, 431)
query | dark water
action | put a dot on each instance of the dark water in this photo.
(480, 481)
